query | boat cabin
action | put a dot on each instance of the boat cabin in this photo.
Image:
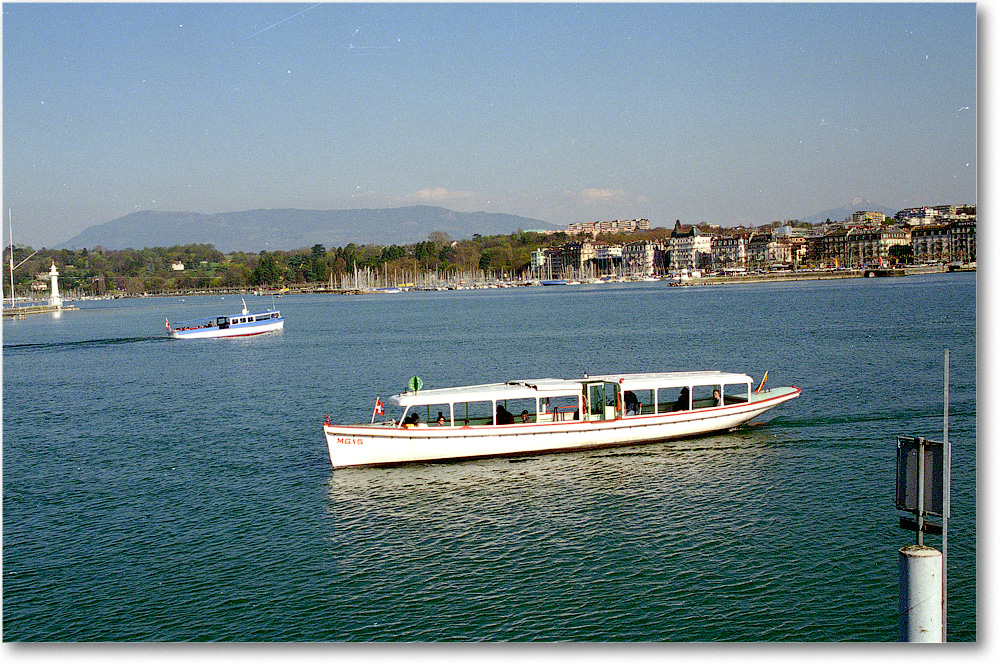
(598, 398)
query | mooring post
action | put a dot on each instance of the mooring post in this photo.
(920, 595)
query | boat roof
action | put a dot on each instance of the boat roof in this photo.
(232, 316)
(643, 380)
(531, 388)
(512, 390)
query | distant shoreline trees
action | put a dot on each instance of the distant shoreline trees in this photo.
(98, 271)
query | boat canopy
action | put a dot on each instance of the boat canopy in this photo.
(638, 381)
(548, 387)
(202, 321)
(513, 390)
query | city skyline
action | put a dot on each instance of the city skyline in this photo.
(716, 114)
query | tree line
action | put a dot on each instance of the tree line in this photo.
(98, 271)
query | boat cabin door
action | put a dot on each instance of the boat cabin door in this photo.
(603, 401)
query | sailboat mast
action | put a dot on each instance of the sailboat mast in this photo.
(10, 225)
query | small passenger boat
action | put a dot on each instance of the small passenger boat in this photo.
(548, 415)
(227, 326)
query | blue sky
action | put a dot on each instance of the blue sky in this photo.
(725, 114)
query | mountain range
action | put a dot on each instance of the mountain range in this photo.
(291, 229)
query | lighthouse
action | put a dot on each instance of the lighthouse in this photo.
(55, 300)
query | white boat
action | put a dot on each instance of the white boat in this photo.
(227, 326)
(549, 415)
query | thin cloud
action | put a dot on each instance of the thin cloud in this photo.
(595, 196)
(440, 195)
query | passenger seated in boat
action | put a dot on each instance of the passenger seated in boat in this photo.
(503, 416)
(440, 419)
(683, 401)
(716, 398)
(525, 417)
(632, 405)
(412, 421)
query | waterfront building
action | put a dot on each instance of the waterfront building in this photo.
(691, 249)
(642, 257)
(538, 262)
(954, 241)
(757, 250)
(963, 240)
(608, 259)
(576, 256)
(858, 246)
(730, 251)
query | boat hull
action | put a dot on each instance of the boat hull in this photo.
(361, 445)
(233, 331)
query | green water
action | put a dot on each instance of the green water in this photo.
(181, 490)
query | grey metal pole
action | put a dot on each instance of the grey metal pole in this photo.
(946, 503)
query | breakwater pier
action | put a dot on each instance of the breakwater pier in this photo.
(800, 275)
(25, 310)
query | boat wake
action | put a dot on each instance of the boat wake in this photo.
(77, 344)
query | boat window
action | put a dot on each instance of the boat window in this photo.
(429, 413)
(672, 399)
(704, 396)
(518, 407)
(596, 400)
(640, 401)
(474, 413)
(559, 408)
(736, 393)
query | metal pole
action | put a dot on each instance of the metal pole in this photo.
(920, 491)
(946, 503)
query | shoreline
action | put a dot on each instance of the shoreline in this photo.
(789, 276)
(837, 274)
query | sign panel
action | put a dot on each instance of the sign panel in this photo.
(908, 451)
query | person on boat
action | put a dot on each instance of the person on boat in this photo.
(716, 398)
(525, 418)
(683, 401)
(503, 416)
(440, 419)
(631, 403)
(412, 421)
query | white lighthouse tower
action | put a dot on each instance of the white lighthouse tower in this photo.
(55, 299)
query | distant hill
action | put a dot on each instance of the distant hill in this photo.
(290, 229)
(844, 212)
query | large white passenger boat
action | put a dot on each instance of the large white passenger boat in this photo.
(548, 415)
(227, 326)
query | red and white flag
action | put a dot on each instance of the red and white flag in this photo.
(379, 408)
(167, 322)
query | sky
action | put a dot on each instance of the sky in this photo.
(707, 113)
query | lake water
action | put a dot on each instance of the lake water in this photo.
(158, 490)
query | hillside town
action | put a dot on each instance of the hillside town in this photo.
(868, 239)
